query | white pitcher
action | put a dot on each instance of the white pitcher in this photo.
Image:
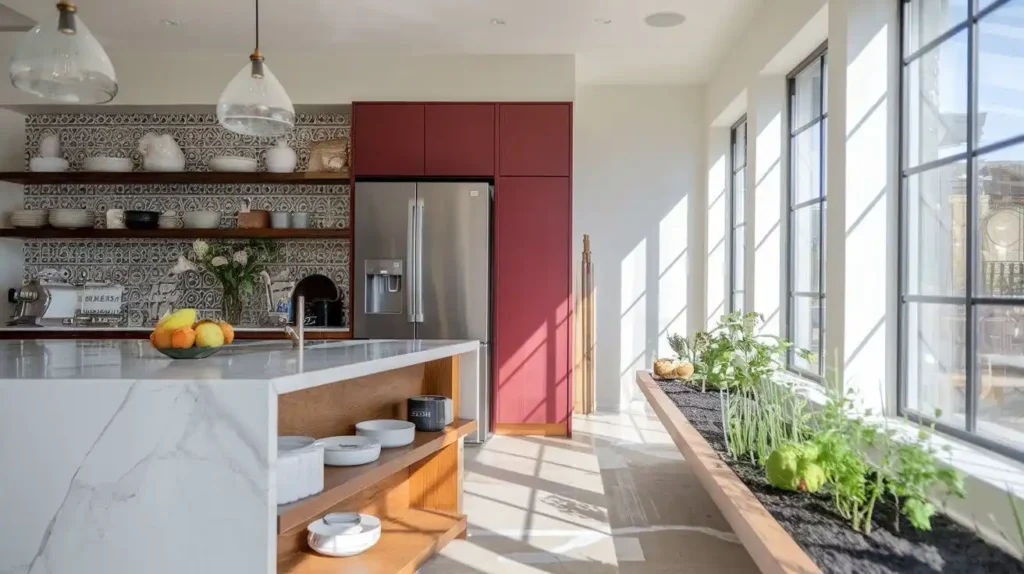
(161, 153)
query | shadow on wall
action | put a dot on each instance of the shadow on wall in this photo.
(636, 151)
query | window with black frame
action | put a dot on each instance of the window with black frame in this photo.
(737, 220)
(808, 119)
(962, 219)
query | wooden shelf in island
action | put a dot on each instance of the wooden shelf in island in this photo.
(343, 482)
(407, 540)
(180, 177)
(233, 233)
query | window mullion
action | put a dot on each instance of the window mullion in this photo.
(970, 334)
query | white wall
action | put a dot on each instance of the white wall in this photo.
(637, 165)
(184, 79)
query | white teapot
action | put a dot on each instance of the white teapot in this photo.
(161, 153)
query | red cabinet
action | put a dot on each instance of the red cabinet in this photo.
(388, 139)
(535, 139)
(460, 139)
(533, 300)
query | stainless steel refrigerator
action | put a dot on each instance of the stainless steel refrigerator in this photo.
(423, 271)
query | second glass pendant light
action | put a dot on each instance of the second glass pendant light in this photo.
(254, 103)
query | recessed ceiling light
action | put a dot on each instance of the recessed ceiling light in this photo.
(497, 22)
(664, 19)
(602, 21)
(170, 23)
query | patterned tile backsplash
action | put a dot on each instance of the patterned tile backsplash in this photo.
(141, 265)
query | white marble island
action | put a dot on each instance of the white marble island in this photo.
(116, 459)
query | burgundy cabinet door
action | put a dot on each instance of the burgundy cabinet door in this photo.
(535, 139)
(387, 139)
(460, 139)
(533, 300)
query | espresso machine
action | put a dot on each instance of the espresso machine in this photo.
(31, 302)
(46, 303)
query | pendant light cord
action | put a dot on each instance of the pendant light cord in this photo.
(257, 25)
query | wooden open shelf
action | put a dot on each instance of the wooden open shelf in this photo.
(233, 233)
(343, 482)
(407, 540)
(181, 177)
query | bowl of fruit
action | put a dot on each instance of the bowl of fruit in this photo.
(179, 336)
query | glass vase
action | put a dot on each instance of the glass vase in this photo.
(231, 307)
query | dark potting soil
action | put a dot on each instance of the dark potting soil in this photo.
(826, 537)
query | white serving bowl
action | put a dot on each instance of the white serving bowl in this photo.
(349, 450)
(71, 218)
(47, 164)
(107, 164)
(201, 219)
(233, 163)
(390, 433)
(300, 468)
(342, 540)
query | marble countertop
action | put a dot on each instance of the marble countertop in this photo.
(274, 362)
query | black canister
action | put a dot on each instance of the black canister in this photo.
(430, 413)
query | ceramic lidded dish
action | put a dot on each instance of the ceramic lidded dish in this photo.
(343, 534)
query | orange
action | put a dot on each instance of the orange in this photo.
(183, 338)
(161, 338)
(229, 332)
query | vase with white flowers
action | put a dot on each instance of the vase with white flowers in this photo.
(237, 267)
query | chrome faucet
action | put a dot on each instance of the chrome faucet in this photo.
(298, 334)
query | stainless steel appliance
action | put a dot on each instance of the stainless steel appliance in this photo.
(49, 303)
(423, 253)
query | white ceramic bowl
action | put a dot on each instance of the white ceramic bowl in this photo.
(71, 218)
(349, 450)
(108, 164)
(171, 222)
(300, 468)
(47, 164)
(201, 219)
(233, 163)
(342, 539)
(390, 433)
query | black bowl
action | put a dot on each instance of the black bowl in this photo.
(141, 219)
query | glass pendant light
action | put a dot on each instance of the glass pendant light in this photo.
(61, 60)
(255, 103)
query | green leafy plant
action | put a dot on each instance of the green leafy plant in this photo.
(915, 475)
(733, 355)
(906, 470)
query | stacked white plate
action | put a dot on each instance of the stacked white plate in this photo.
(108, 164)
(72, 218)
(233, 163)
(28, 217)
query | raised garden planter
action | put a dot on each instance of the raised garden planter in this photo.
(798, 532)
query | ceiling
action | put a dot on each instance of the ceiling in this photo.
(625, 50)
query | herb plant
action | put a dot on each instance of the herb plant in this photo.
(734, 355)
(766, 416)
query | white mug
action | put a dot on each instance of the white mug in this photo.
(115, 219)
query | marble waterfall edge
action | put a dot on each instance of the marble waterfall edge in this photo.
(133, 471)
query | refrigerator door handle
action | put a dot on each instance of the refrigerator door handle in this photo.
(419, 259)
(411, 272)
